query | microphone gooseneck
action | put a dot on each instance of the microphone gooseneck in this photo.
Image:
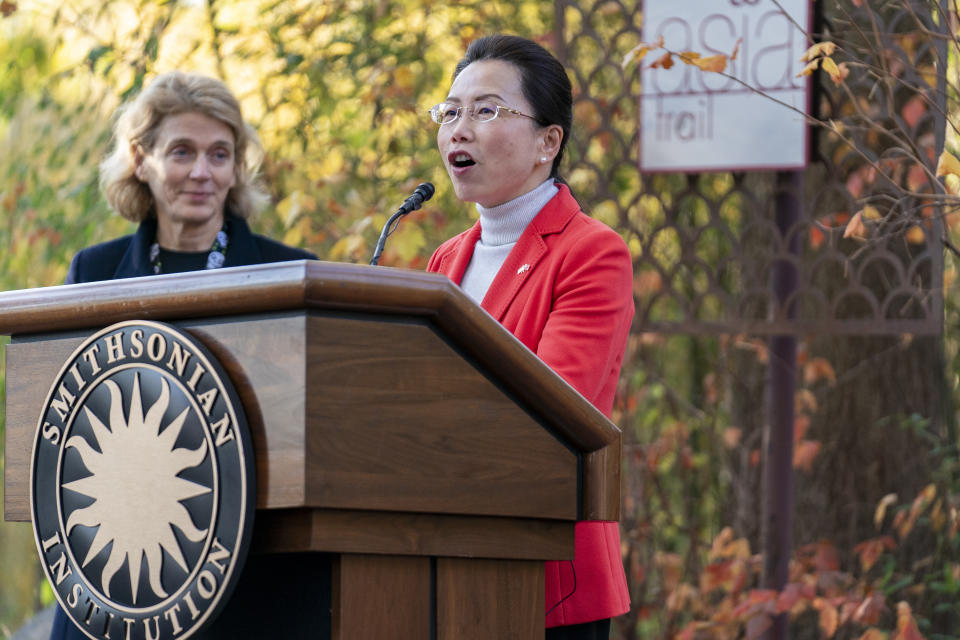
(421, 194)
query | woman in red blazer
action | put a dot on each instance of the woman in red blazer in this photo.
(560, 281)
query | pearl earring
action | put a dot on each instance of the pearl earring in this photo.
(543, 159)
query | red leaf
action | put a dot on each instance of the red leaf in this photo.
(917, 178)
(870, 609)
(816, 238)
(827, 558)
(915, 109)
(906, 626)
(789, 598)
(870, 550)
(804, 454)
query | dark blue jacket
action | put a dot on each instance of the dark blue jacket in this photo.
(129, 256)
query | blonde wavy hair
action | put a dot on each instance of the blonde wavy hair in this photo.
(137, 124)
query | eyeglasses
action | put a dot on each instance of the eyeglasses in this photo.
(447, 112)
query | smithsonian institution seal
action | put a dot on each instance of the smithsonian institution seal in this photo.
(142, 484)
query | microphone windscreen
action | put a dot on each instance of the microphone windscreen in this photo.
(425, 190)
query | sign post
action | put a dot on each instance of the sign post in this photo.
(751, 116)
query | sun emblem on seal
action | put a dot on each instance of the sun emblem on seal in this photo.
(142, 484)
(135, 447)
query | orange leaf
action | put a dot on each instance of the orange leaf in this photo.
(663, 62)
(720, 542)
(736, 49)
(805, 400)
(816, 238)
(731, 436)
(916, 177)
(817, 369)
(804, 455)
(913, 110)
(715, 64)
(916, 235)
(870, 550)
(906, 626)
(855, 227)
(829, 620)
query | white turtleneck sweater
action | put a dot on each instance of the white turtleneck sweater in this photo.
(500, 228)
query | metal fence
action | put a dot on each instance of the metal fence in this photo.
(705, 244)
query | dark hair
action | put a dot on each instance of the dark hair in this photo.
(543, 80)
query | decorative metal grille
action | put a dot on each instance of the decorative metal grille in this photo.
(705, 245)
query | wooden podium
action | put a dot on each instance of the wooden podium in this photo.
(396, 425)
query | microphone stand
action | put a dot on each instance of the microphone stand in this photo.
(422, 193)
(387, 230)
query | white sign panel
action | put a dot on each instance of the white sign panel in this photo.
(693, 120)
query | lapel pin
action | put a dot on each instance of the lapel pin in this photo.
(523, 269)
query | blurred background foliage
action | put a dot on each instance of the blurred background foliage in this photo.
(338, 91)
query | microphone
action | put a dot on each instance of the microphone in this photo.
(421, 194)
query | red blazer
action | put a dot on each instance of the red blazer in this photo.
(566, 292)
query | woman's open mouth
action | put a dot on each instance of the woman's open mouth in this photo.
(460, 160)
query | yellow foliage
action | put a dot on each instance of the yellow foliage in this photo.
(948, 164)
(855, 227)
(819, 49)
(831, 68)
(715, 63)
(809, 68)
(881, 510)
(916, 235)
(640, 51)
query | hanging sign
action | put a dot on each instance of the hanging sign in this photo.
(752, 118)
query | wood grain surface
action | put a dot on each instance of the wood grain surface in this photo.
(383, 597)
(365, 388)
(294, 530)
(483, 599)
